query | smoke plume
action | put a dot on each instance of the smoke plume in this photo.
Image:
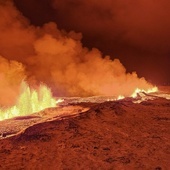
(11, 75)
(57, 58)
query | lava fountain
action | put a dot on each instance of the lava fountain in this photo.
(150, 90)
(30, 101)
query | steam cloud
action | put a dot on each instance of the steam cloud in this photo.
(57, 58)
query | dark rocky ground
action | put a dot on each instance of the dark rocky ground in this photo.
(110, 135)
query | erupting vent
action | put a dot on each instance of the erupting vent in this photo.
(29, 101)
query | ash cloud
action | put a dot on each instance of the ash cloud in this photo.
(57, 58)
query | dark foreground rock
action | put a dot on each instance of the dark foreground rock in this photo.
(111, 135)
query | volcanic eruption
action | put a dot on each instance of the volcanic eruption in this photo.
(58, 59)
(67, 106)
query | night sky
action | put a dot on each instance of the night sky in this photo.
(136, 32)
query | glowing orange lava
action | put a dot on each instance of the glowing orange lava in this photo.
(151, 90)
(30, 101)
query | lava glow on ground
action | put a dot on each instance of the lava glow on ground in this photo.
(31, 101)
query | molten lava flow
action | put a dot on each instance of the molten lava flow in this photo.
(120, 97)
(30, 101)
(151, 90)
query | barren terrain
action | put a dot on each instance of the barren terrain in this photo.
(124, 134)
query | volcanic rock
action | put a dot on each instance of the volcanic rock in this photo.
(108, 135)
